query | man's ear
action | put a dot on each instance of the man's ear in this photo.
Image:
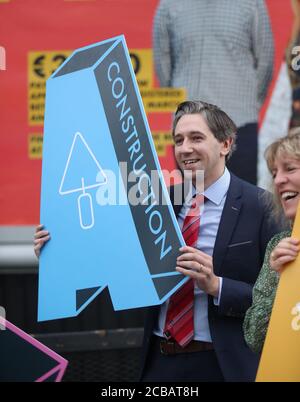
(226, 146)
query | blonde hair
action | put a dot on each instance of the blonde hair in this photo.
(287, 146)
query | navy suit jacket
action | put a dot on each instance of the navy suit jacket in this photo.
(244, 232)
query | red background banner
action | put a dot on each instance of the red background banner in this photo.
(60, 25)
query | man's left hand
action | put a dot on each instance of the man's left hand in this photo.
(198, 266)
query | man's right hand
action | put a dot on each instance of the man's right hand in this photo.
(40, 238)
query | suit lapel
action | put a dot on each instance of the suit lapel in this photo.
(229, 219)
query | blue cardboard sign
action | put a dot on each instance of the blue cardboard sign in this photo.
(95, 133)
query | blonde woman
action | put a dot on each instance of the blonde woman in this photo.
(283, 159)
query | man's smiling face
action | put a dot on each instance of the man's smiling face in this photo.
(196, 148)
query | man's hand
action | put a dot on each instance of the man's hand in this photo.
(40, 238)
(198, 266)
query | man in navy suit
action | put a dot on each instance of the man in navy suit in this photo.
(235, 228)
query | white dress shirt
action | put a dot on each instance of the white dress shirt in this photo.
(209, 224)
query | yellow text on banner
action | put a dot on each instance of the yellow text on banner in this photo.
(40, 66)
(162, 139)
(162, 99)
(35, 146)
(142, 63)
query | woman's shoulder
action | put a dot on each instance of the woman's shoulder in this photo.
(277, 238)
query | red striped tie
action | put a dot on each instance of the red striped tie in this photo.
(180, 315)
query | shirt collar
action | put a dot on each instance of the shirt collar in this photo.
(216, 191)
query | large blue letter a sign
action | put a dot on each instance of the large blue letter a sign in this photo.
(95, 123)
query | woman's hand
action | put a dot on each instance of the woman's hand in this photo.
(285, 251)
(198, 266)
(40, 238)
